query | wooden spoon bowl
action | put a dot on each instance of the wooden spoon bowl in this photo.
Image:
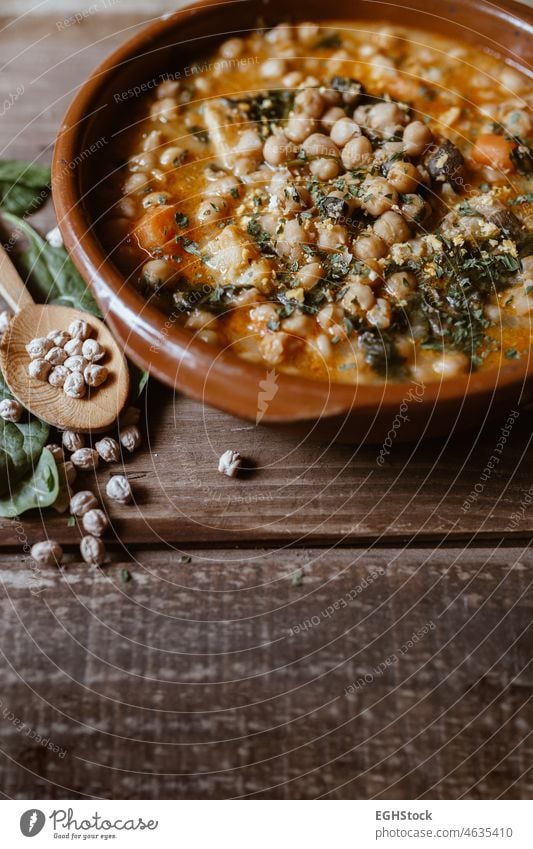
(100, 407)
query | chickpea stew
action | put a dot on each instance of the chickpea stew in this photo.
(343, 202)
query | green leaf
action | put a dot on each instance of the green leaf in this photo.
(20, 445)
(40, 489)
(52, 276)
(138, 380)
(23, 186)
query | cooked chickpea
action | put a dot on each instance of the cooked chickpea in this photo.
(308, 33)
(293, 237)
(392, 228)
(292, 79)
(300, 127)
(164, 110)
(330, 118)
(325, 169)
(332, 238)
(357, 152)
(323, 346)
(167, 88)
(451, 365)
(211, 210)
(319, 144)
(309, 102)
(278, 149)
(416, 137)
(385, 115)
(369, 247)
(331, 319)
(155, 199)
(232, 48)
(378, 196)
(309, 275)
(403, 176)
(223, 187)
(173, 155)
(400, 285)
(136, 182)
(380, 314)
(200, 319)
(518, 122)
(357, 293)
(157, 272)
(272, 68)
(343, 130)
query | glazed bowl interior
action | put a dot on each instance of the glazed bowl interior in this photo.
(170, 351)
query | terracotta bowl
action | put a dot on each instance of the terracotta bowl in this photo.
(170, 352)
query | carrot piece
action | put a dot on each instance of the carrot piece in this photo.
(157, 227)
(494, 150)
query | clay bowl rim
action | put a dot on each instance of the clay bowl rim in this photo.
(302, 399)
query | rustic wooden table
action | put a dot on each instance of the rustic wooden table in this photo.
(341, 629)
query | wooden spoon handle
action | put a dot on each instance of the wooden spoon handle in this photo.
(12, 287)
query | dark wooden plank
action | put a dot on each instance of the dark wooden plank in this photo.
(222, 678)
(309, 491)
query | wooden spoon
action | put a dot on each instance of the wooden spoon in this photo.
(101, 406)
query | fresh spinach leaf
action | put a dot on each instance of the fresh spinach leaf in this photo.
(23, 186)
(40, 489)
(20, 445)
(52, 276)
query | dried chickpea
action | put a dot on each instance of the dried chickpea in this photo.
(73, 441)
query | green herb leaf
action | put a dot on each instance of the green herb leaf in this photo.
(23, 186)
(52, 276)
(297, 578)
(40, 489)
(20, 445)
(125, 576)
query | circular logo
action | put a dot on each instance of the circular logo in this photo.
(32, 822)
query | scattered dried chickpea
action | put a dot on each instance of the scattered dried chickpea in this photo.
(229, 463)
(92, 550)
(85, 458)
(118, 488)
(73, 441)
(130, 438)
(47, 553)
(95, 522)
(11, 410)
(108, 449)
(82, 502)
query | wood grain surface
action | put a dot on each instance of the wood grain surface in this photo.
(343, 629)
